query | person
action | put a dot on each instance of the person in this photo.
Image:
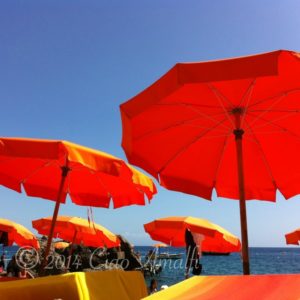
(2, 263)
(198, 239)
(153, 286)
(151, 255)
(192, 256)
(22, 273)
(13, 270)
(138, 256)
(4, 238)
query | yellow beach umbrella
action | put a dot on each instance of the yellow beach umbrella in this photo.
(77, 231)
(16, 233)
(171, 230)
(160, 245)
(53, 169)
(61, 245)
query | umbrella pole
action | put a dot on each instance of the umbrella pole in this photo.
(73, 242)
(64, 174)
(243, 213)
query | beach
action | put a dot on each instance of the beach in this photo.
(264, 260)
(148, 146)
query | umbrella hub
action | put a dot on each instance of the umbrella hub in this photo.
(238, 111)
(238, 133)
(65, 170)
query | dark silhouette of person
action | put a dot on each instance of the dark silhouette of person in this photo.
(2, 263)
(153, 286)
(4, 238)
(192, 256)
(13, 270)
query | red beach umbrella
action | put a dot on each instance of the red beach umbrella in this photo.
(53, 169)
(293, 237)
(231, 125)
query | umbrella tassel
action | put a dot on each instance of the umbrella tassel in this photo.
(88, 216)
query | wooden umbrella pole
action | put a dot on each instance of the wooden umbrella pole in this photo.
(238, 132)
(73, 242)
(64, 175)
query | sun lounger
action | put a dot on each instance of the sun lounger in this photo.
(232, 287)
(106, 285)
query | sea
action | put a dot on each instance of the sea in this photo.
(262, 261)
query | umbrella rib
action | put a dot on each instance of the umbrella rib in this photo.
(269, 132)
(226, 141)
(185, 122)
(7, 159)
(92, 172)
(205, 115)
(219, 96)
(215, 136)
(184, 103)
(283, 129)
(277, 119)
(263, 155)
(277, 110)
(46, 164)
(285, 93)
(268, 109)
(184, 148)
(101, 182)
(249, 94)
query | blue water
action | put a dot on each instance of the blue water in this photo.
(262, 261)
(9, 252)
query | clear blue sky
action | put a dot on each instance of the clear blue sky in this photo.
(65, 66)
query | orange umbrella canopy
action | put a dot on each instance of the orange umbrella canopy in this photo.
(160, 245)
(171, 230)
(231, 125)
(77, 231)
(52, 169)
(61, 245)
(93, 178)
(293, 238)
(18, 234)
